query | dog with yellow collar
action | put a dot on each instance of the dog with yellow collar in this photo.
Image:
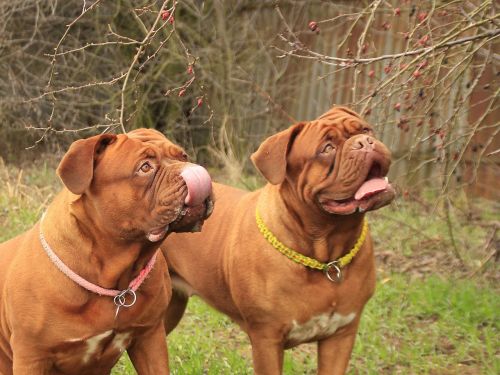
(292, 262)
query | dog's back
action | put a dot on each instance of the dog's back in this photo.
(207, 249)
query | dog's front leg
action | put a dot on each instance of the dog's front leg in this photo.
(267, 352)
(148, 352)
(28, 365)
(334, 352)
(27, 360)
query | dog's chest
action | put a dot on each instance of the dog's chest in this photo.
(106, 341)
(319, 326)
(98, 351)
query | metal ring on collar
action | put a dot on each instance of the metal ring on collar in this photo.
(120, 299)
(333, 272)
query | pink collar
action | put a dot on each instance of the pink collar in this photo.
(119, 295)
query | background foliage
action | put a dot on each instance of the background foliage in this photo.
(218, 77)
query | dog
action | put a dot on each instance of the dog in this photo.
(293, 261)
(85, 283)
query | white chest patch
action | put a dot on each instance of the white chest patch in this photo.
(93, 344)
(319, 326)
(121, 341)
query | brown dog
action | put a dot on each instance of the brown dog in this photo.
(323, 176)
(121, 197)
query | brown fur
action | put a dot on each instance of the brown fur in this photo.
(232, 267)
(97, 226)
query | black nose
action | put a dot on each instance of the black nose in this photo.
(363, 143)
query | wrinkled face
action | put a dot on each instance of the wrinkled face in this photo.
(337, 164)
(138, 190)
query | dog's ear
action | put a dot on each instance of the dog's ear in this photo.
(76, 168)
(270, 157)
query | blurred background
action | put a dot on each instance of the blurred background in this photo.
(257, 70)
(218, 77)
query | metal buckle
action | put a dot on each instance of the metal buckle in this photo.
(331, 267)
(120, 299)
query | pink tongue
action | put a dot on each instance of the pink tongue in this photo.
(370, 187)
(198, 183)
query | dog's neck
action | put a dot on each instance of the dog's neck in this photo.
(327, 237)
(99, 258)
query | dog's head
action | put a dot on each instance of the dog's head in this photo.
(134, 188)
(334, 163)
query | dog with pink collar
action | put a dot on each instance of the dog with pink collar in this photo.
(85, 283)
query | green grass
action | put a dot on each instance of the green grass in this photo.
(431, 326)
(24, 196)
(426, 316)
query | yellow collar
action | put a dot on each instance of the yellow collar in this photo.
(332, 269)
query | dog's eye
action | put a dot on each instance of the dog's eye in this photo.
(328, 148)
(366, 130)
(146, 167)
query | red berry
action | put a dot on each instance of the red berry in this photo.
(423, 64)
(397, 12)
(200, 102)
(182, 92)
(397, 106)
(417, 73)
(313, 25)
(171, 20)
(371, 73)
(165, 14)
(422, 16)
(190, 69)
(387, 69)
(423, 41)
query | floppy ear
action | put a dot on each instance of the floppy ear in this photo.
(76, 168)
(270, 157)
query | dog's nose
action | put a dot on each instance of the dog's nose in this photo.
(198, 182)
(363, 142)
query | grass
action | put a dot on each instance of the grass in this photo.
(431, 326)
(427, 315)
